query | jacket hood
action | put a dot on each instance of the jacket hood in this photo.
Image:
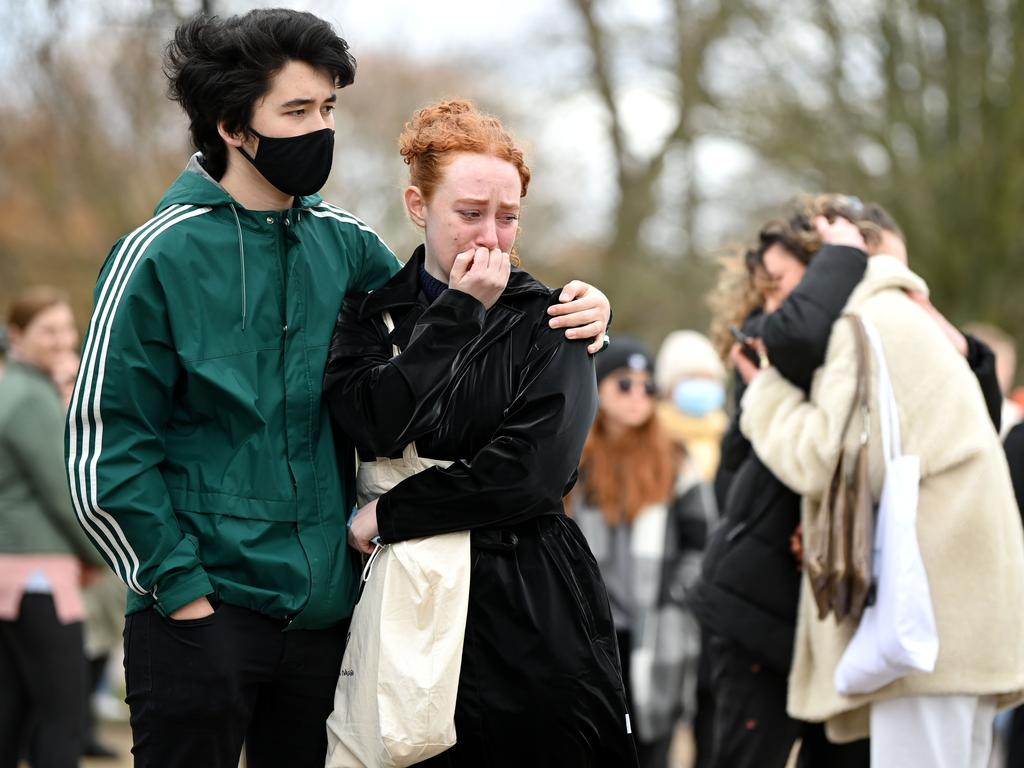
(195, 186)
(886, 273)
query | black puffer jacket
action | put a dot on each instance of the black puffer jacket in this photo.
(750, 581)
(750, 585)
(510, 402)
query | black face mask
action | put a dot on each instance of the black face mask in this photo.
(297, 165)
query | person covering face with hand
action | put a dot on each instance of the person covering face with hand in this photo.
(967, 532)
(473, 375)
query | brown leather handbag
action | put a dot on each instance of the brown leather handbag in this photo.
(841, 540)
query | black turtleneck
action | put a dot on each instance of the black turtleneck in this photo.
(431, 286)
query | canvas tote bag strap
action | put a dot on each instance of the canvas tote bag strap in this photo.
(409, 452)
(389, 323)
(892, 444)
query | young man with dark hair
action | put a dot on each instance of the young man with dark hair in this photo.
(200, 458)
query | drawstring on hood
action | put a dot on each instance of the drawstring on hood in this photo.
(195, 186)
(241, 259)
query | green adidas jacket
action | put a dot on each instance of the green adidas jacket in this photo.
(200, 458)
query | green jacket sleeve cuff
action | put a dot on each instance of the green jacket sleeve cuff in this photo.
(182, 588)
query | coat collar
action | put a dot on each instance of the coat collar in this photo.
(195, 186)
(884, 273)
(403, 290)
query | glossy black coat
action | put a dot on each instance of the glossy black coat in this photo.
(510, 402)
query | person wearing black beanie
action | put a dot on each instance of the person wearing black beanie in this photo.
(624, 352)
(645, 511)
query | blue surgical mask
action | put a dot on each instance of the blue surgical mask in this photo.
(698, 397)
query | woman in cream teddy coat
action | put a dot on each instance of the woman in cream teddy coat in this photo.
(969, 530)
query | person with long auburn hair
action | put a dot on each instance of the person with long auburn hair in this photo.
(645, 510)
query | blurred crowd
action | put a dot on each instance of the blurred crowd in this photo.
(689, 495)
(61, 609)
(696, 516)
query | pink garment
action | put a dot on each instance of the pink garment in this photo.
(62, 571)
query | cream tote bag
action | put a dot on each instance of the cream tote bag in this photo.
(897, 635)
(394, 704)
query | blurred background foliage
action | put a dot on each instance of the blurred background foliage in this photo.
(656, 137)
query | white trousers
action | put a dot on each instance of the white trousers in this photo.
(932, 732)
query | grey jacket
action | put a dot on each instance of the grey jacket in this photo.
(36, 515)
(665, 541)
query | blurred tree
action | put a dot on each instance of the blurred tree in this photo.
(651, 261)
(368, 175)
(918, 104)
(87, 139)
(91, 142)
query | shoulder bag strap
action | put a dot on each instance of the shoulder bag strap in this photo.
(861, 392)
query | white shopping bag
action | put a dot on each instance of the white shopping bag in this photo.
(394, 704)
(395, 700)
(897, 634)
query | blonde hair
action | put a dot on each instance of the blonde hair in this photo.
(742, 279)
(870, 219)
(734, 297)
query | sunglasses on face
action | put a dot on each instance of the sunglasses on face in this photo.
(626, 384)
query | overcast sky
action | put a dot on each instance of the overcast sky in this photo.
(531, 31)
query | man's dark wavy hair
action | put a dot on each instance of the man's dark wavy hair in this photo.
(219, 68)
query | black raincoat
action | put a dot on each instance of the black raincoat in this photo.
(510, 402)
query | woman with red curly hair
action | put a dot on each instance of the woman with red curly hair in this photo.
(483, 382)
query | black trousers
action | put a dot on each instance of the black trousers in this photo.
(540, 685)
(42, 679)
(752, 729)
(1015, 740)
(198, 689)
(704, 719)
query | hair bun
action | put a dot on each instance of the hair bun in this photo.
(450, 126)
(451, 107)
